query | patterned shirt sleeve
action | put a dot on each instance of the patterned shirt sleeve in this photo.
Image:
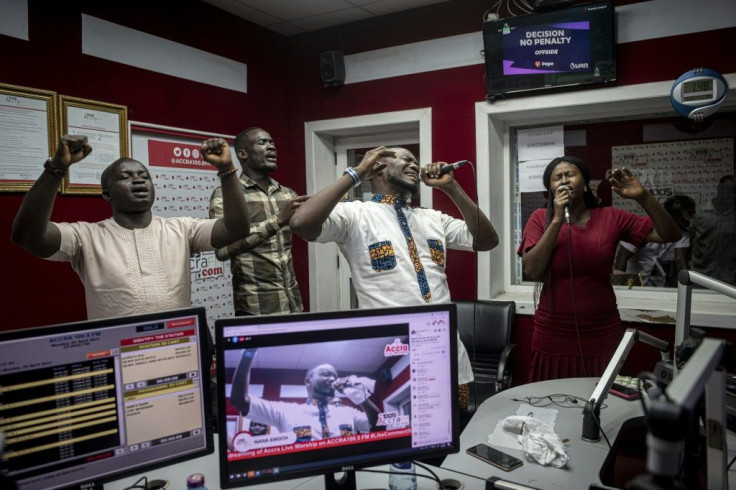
(258, 234)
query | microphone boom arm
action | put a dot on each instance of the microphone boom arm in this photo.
(592, 409)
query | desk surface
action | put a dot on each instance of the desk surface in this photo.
(586, 458)
(208, 465)
(582, 469)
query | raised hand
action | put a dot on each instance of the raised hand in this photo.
(563, 197)
(627, 185)
(431, 176)
(289, 208)
(354, 388)
(72, 148)
(369, 165)
(216, 151)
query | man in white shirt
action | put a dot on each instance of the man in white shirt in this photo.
(397, 254)
(318, 417)
(134, 262)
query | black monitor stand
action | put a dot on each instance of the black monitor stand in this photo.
(340, 481)
(343, 481)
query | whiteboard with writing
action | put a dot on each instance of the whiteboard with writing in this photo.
(692, 168)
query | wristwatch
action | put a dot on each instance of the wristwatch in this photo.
(274, 222)
(56, 172)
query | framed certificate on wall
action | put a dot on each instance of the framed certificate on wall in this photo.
(28, 134)
(106, 127)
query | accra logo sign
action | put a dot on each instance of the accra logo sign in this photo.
(397, 348)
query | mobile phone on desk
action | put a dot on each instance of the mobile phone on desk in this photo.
(495, 457)
(625, 392)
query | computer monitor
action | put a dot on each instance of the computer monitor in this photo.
(404, 360)
(97, 400)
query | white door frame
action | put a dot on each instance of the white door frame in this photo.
(321, 139)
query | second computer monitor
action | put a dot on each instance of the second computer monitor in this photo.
(319, 393)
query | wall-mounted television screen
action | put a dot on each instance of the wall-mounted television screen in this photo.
(557, 49)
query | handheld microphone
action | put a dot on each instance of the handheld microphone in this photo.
(453, 166)
(566, 209)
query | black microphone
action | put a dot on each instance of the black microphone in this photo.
(566, 209)
(453, 166)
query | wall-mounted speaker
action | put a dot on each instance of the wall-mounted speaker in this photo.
(332, 68)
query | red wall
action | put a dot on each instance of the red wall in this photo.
(38, 292)
(284, 92)
(452, 95)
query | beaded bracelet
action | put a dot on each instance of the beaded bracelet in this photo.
(55, 171)
(223, 173)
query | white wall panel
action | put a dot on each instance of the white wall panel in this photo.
(636, 22)
(14, 18)
(114, 42)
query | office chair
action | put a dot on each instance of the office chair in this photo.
(487, 338)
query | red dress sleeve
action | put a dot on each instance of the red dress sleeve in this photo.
(533, 231)
(634, 228)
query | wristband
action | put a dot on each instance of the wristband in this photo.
(353, 175)
(223, 173)
(56, 172)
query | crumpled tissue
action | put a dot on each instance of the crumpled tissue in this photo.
(539, 440)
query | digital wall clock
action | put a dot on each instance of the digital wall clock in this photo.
(698, 93)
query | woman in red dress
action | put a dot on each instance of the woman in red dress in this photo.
(569, 248)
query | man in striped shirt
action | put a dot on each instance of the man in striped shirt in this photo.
(261, 263)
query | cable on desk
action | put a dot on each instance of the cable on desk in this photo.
(476, 477)
(559, 400)
(598, 424)
(426, 468)
(433, 477)
(562, 401)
